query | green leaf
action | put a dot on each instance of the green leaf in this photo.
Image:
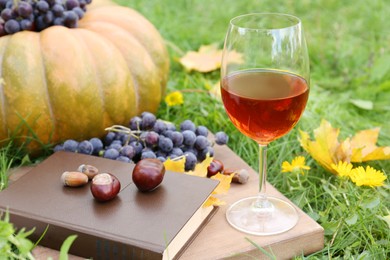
(363, 104)
(351, 219)
(370, 204)
(65, 247)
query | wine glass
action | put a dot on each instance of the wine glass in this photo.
(264, 86)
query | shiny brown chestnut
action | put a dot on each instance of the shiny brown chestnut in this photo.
(148, 174)
(216, 166)
(105, 186)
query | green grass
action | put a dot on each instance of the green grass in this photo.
(350, 60)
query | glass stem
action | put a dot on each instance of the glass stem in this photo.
(262, 201)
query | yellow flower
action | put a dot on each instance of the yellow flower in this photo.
(174, 98)
(342, 168)
(297, 164)
(368, 177)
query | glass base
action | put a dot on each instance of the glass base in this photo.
(280, 217)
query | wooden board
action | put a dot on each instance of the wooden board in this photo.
(219, 240)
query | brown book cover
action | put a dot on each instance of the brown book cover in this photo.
(135, 225)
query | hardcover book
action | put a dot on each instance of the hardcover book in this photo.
(135, 225)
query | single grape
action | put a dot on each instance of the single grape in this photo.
(111, 154)
(79, 12)
(176, 151)
(137, 148)
(160, 153)
(116, 146)
(151, 139)
(189, 137)
(58, 21)
(58, 147)
(70, 4)
(202, 130)
(97, 145)
(165, 144)
(42, 6)
(26, 25)
(159, 127)
(109, 138)
(135, 123)
(48, 18)
(85, 147)
(25, 9)
(58, 10)
(171, 126)
(128, 151)
(70, 19)
(187, 125)
(201, 142)
(191, 161)
(6, 14)
(221, 138)
(203, 154)
(70, 145)
(190, 149)
(148, 120)
(123, 159)
(40, 24)
(177, 138)
(167, 133)
(162, 159)
(148, 154)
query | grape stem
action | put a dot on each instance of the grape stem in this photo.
(125, 130)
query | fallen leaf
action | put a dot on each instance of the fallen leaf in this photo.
(224, 183)
(201, 168)
(175, 165)
(327, 150)
(207, 59)
(364, 147)
(213, 201)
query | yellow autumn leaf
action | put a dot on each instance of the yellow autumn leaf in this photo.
(201, 168)
(327, 150)
(325, 145)
(224, 183)
(175, 165)
(364, 147)
(206, 59)
(213, 201)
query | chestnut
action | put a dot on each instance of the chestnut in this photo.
(215, 167)
(105, 186)
(148, 174)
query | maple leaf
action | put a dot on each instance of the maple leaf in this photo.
(364, 148)
(213, 201)
(327, 150)
(224, 183)
(207, 59)
(175, 165)
(201, 168)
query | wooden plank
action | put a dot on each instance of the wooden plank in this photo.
(219, 240)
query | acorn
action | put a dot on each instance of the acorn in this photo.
(74, 179)
(90, 170)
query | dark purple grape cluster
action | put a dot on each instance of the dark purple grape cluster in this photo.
(37, 15)
(149, 137)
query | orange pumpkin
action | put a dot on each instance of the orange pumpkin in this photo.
(66, 83)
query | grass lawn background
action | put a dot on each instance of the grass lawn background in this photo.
(349, 47)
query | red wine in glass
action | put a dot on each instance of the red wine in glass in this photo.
(264, 104)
